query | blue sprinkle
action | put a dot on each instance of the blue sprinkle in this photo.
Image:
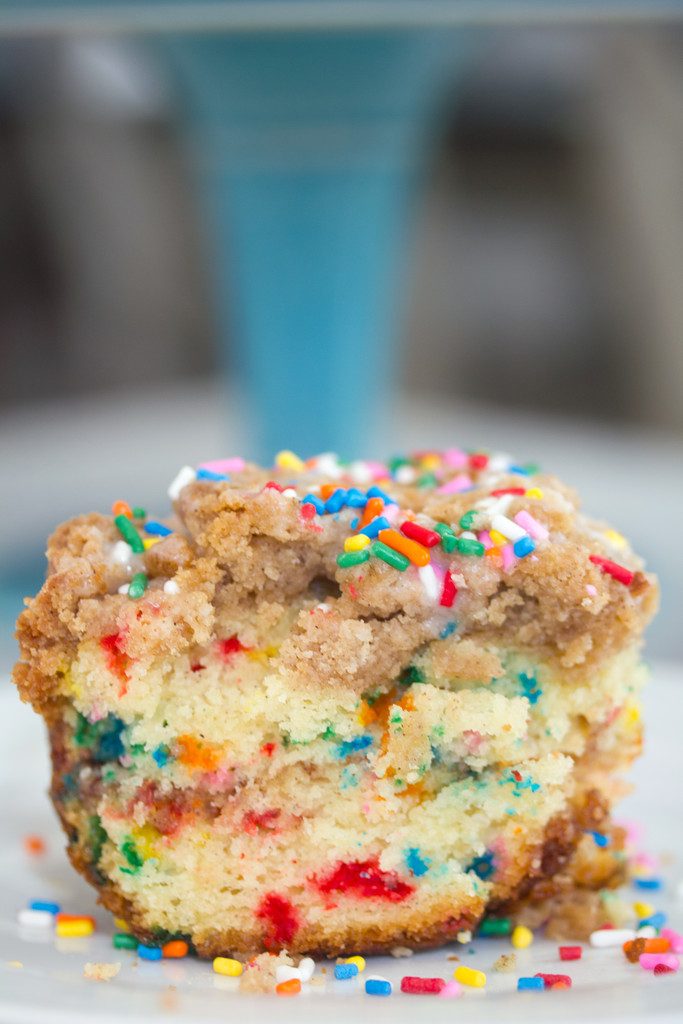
(657, 920)
(161, 754)
(157, 529)
(317, 504)
(351, 746)
(530, 983)
(647, 883)
(448, 630)
(344, 971)
(149, 952)
(377, 492)
(207, 474)
(378, 987)
(336, 501)
(52, 908)
(523, 547)
(354, 523)
(417, 864)
(519, 470)
(530, 688)
(599, 838)
(483, 866)
(355, 498)
(373, 528)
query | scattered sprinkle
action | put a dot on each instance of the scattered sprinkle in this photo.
(521, 937)
(227, 966)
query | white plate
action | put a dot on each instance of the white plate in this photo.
(49, 987)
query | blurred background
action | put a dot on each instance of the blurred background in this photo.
(157, 308)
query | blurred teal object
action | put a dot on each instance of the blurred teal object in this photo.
(309, 146)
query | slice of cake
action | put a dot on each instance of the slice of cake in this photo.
(338, 707)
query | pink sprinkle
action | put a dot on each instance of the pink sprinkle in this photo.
(485, 539)
(590, 589)
(234, 465)
(532, 526)
(456, 458)
(378, 470)
(649, 961)
(97, 714)
(675, 939)
(451, 990)
(461, 482)
(509, 559)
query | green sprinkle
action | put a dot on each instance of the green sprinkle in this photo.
(531, 468)
(349, 558)
(495, 926)
(388, 555)
(97, 837)
(467, 520)
(124, 941)
(130, 852)
(449, 541)
(412, 674)
(397, 462)
(470, 547)
(427, 480)
(138, 585)
(139, 513)
(129, 533)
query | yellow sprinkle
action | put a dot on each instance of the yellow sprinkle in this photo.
(521, 937)
(356, 543)
(359, 961)
(430, 462)
(224, 965)
(122, 925)
(469, 976)
(288, 460)
(632, 714)
(146, 836)
(498, 538)
(616, 538)
(73, 929)
(533, 492)
(643, 909)
(149, 542)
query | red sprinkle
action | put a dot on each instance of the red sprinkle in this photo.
(282, 919)
(500, 491)
(570, 952)
(663, 969)
(268, 749)
(226, 648)
(449, 592)
(272, 486)
(550, 980)
(117, 659)
(365, 878)
(308, 511)
(619, 572)
(422, 986)
(420, 533)
(34, 845)
(478, 461)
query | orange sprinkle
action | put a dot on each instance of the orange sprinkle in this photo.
(35, 845)
(175, 949)
(289, 988)
(494, 554)
(372, 509)
(656, 945)
(410, 548)
(196, 753)
(60, 918)
(327, 490)
(122, 508)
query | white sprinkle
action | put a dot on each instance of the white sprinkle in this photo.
(323, 608)
(429, 582)
(511, 530)
(121, 552)
(36, 918)
(468, 535)
(124, 588)
(499, 462)
(171, 587)
(397, 952)
(611, 937)
(185, 476)
(306, 968)
(328, 465)
(406, 475)
(648, 931)
(360, 472)
(283, 972)
(289, 492)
